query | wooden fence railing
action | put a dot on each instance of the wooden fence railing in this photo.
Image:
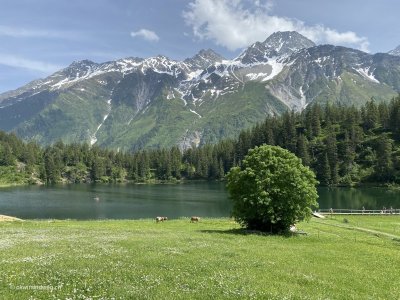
(348, 211)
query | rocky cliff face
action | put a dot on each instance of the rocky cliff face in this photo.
(157, 102)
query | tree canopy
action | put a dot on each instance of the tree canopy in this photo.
(271, 190)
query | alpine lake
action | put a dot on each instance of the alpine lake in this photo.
(142, 201)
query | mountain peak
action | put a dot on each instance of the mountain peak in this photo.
(162, 57)
(209, 53)
(287, 42)
(204, 58)
(277, 44)
(82, 64)
(288, 35)
(395, 51)
(77, 68)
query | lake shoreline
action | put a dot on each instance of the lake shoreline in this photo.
(387, 185)
(149, 182)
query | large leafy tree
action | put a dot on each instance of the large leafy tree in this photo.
(271, 190)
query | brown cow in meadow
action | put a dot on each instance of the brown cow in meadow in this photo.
(194, 219)
(161, 219)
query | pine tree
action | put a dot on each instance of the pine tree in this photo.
(331, 150)
(6, 156)
(307, 115)
(302, 150)
(221, 169)
(143, 165)
(134, 170)
(98, 169)
(289, 131)
(214, 169)
(394, 117)
(257, 136)
(243, 144)
(384, 164)
(348, 155)
(176, 159)
(316, 120)
(325, 173)
(269, 131)
(52, 170)
(383, 115)
(202, 164)
(370, 115)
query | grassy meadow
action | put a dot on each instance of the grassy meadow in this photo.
(356, 258)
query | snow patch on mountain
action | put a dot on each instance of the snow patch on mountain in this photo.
(303, 103)
(194, 75)
(256, 76)
(277, 67)
(170, 96)
(321, 60)
(93, 138)
(367, 74)
(215, 93)
(195, 112)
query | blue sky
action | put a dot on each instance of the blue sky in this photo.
(39, 37)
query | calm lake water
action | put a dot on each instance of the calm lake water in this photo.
(132, 201)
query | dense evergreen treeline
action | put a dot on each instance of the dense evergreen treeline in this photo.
(343, 145)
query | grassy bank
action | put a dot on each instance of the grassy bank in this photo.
(10, 176)
(211, 259)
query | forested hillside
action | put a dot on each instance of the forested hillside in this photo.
(343, 145)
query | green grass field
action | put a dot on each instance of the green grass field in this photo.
(212, 259)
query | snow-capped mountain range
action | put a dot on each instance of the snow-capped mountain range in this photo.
(133, 103)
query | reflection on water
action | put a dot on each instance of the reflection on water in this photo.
(357, 198)
(130, 201)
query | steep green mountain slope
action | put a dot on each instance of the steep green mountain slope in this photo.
(73, 115)
(166, 122)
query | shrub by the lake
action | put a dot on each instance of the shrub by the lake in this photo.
(271, 190)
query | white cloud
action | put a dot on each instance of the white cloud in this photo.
(235, 24)
(20, 62)
(23, 32)
(19, 32)
(146, 34)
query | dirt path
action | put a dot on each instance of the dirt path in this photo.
(366, 230)
(4, 218)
